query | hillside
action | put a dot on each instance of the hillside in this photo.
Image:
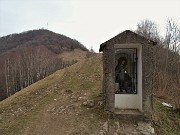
(53, 41)
(60, 95)
(30, 56)
(68, 102)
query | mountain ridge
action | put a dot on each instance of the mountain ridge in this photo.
(53, 41)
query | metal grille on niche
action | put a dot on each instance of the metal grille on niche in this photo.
(126, 70)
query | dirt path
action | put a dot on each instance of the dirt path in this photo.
(71, 118)
(67, 116)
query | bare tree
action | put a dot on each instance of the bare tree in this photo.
(172, 38)
(167, 60)
(149, 30)
(6, 73)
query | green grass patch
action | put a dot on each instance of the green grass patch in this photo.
(166, 120)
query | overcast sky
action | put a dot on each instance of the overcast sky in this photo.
(89, 21)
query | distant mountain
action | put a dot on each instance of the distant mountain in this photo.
(53, 41)
(30, 56)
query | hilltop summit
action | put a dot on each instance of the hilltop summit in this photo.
(53, 41)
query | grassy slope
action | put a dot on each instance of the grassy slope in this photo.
(17, 110)
(45, 108)
(166, 120)
(76, 54)
(28, 106)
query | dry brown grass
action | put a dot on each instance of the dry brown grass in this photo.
(167, 75)
(76, 54)
(168, 88)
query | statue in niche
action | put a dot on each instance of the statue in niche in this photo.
(122, 76)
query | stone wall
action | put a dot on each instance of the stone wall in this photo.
(147, 79)
(109, 76)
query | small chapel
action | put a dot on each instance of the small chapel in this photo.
(128, 67)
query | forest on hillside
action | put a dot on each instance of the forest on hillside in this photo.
(30, 56)
(53, 41)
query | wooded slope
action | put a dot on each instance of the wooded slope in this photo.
(30, 56)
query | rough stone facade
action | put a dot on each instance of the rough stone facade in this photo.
(128, 37)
